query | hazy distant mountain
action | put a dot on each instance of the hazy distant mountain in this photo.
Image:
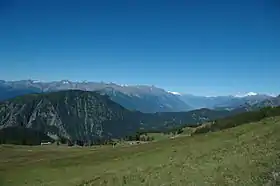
(237, 102)
(146, 99)
(84, 115)
(202, 101)
(270, 102)
(226, 102)
(149, 99)
(8, 90)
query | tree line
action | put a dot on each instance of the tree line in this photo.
(239, 119)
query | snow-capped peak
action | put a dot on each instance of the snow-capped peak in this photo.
(245, 95)
(35, 81)
(65, 81)
(175, 93)
(251, 94)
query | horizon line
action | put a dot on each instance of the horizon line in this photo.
(238, 94)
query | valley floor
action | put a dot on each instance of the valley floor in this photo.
(245, 155)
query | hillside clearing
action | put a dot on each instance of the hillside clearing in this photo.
(245, 155)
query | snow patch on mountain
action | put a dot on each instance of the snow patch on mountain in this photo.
(65, 82)
(175, 93)
(36, 81)
(247, 94)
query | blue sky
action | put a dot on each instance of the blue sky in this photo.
(202, 47)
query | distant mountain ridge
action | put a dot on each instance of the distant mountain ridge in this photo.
(271, 102)
(86, 115)
(226, 102)
(148, 99)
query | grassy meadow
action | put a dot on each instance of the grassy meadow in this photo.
(244, 155)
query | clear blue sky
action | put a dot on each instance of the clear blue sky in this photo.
(203, 47)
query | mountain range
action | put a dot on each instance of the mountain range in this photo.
(88, 115)
(143, 98)
(147, 99)
(224, 102)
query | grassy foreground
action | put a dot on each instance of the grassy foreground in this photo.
(245, 155)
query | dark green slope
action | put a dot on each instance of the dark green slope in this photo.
(239, 119)
(83, 115)
(23, 136)
(72, 114)
(167, 120)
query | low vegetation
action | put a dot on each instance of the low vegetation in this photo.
(245, 155)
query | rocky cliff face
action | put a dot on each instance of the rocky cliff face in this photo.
(272, 102)
(71, 114)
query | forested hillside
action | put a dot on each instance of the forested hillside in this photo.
(238, 119)
(87, 116)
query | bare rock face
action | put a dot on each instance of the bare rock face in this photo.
(71, 114)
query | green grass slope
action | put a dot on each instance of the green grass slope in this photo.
(244, 155)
